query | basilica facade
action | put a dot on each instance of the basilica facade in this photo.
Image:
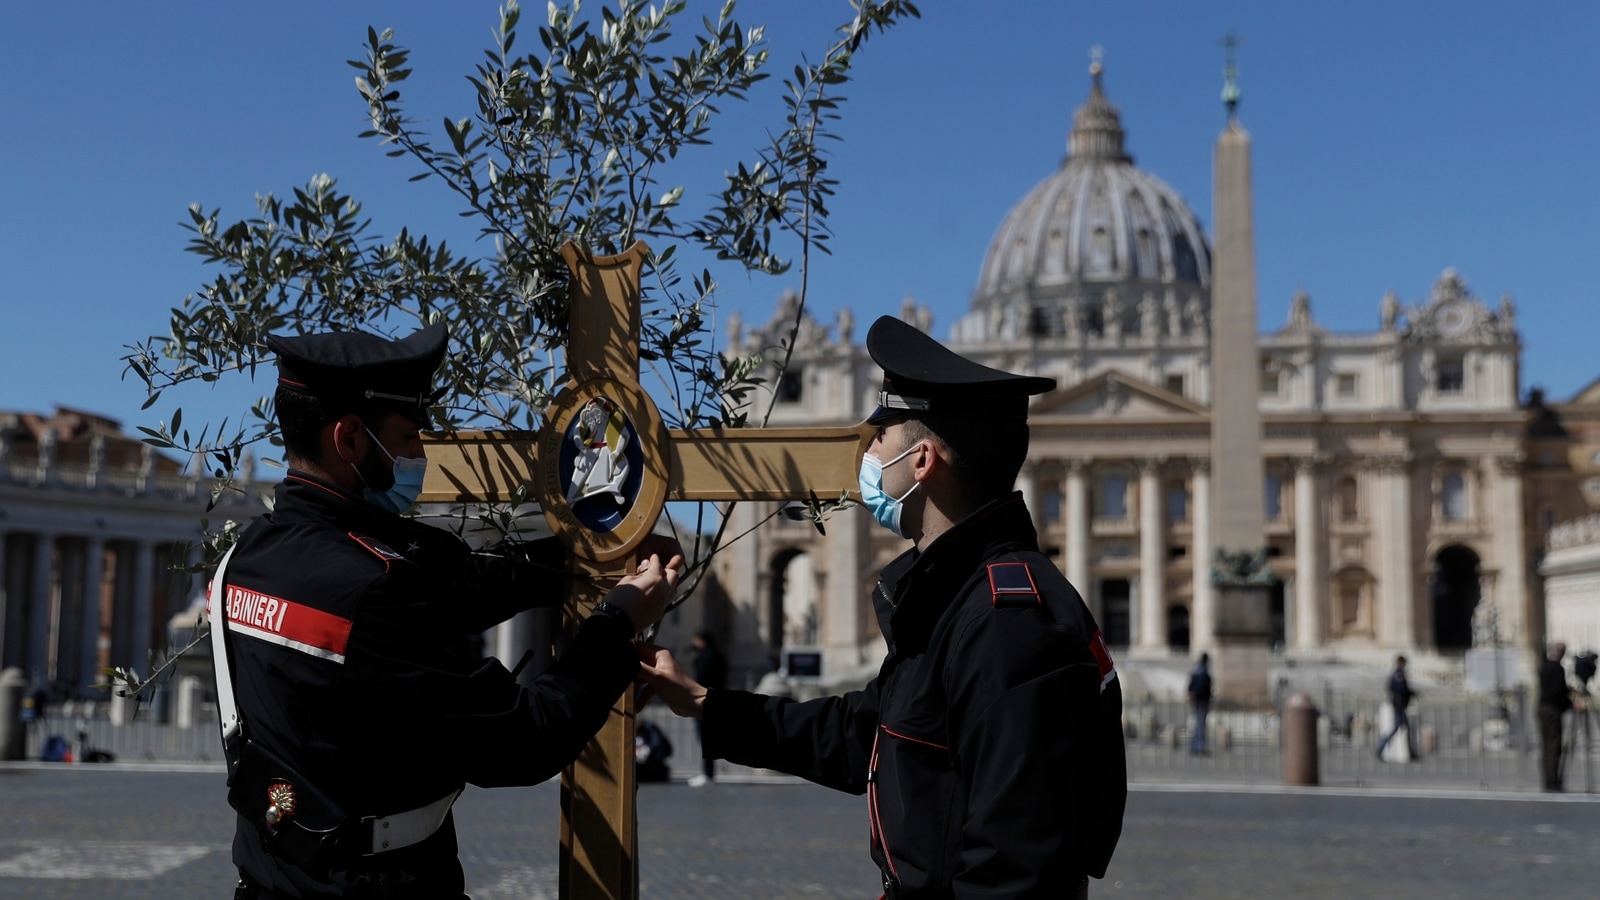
(1408, 486)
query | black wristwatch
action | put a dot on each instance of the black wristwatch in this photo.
(605, 608)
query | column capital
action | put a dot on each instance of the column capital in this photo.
(1510, 464)
(1311, 464)
(1393, 463)
(1200, 465)
(1075, 465)
(1151, 465)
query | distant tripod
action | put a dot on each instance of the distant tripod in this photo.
(1584, 665)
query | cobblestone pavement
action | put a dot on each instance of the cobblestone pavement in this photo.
(142, 831)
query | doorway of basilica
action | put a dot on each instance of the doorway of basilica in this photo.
(1455, 591)
(1116, 612)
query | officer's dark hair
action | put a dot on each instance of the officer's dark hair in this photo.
(302, 416)
(986, 454)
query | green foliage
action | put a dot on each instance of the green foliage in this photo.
(571, 141)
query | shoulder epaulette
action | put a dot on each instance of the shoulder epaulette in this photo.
(377, 548)
(1011, 584)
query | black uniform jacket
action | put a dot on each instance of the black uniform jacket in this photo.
(351, 635)
(990, 743)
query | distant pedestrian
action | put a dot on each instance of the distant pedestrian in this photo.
(711, 670)
(1400, 695)
(650, 751)
(1555, 698)
(1200, 700)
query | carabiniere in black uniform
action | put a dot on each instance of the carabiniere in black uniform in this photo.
(350, 633)
(992, 656)
(990, 743)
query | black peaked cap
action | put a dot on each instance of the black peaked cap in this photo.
(922, 375)
(360, 371)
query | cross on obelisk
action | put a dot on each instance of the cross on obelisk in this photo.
(602, 468)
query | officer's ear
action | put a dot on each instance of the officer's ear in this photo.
(345, 439)
(927, 459)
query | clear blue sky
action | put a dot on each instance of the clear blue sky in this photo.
(1391, 140)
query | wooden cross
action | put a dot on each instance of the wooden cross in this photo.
(602, 469)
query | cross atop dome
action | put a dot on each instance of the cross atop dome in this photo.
(1096, 126)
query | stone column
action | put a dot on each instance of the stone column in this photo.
(1028, 484)
(1511, 594)
(39, 603)
(1395, 616)
(1075, 518)
(1152, 547)
(1203, 616)
(1310, 569)
(841, 595)
(94, 575)
(143, 601)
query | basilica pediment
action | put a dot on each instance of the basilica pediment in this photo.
(1114, 394)
(1589, 396)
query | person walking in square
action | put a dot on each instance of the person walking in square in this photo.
(1400, 695)
(1200, 701)
(711, 670)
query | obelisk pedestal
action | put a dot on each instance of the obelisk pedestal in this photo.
(1241, 661)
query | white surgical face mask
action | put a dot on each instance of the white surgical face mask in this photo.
(885, 509)
(407, 487)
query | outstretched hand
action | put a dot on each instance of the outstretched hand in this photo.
(661, 676)
(646, 593)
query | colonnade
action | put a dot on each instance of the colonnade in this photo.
(72, 604)
(1149, 524)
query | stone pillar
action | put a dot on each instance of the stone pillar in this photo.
(1152, 549)
(39, 607)
(1511, 594)
(1310, 569)
(1075, 518)
(747, 640)
(1028, 484)
(1203, 615)
(840, 598)
(143, 601)
(1397, 573)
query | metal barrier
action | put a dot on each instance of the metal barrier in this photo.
(1466, 742)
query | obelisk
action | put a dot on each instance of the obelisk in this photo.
(1239, 576)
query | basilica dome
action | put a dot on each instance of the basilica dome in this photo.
(1098, 240)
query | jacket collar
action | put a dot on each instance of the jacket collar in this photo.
(917, 587)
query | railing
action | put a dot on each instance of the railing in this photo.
(1465, 742)
(125, 482)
